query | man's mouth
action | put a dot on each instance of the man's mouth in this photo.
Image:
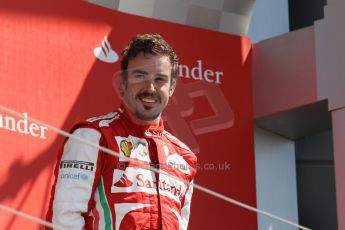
(148, 99)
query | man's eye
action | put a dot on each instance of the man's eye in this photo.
(161, 80)
(139, 76)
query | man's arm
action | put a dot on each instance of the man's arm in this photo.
(186, 208)
(76, 180)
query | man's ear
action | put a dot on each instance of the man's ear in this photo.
(118, 84)
(172, 87)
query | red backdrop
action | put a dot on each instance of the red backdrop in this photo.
(48, 69)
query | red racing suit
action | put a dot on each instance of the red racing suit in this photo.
(95, 190)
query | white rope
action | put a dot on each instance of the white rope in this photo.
(199, 187)
(29, 217)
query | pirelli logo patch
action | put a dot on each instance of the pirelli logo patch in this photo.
(84, 165)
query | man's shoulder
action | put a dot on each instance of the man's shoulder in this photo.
(176, 141)
(182, 149)
(100, 123)
(103, 121)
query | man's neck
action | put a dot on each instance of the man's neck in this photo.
(141, 122)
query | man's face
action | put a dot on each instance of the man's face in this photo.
(148, 87)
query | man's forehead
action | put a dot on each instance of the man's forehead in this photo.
(150, 62)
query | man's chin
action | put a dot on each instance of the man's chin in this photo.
(147, 115)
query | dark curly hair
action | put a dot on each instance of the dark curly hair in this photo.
(149, 44)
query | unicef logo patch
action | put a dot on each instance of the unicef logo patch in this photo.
(84, 177)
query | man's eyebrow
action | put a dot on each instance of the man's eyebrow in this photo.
(144, 72)
(139, 71)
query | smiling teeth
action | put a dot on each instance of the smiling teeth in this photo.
(148, 100)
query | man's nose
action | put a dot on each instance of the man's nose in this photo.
(150, 85)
